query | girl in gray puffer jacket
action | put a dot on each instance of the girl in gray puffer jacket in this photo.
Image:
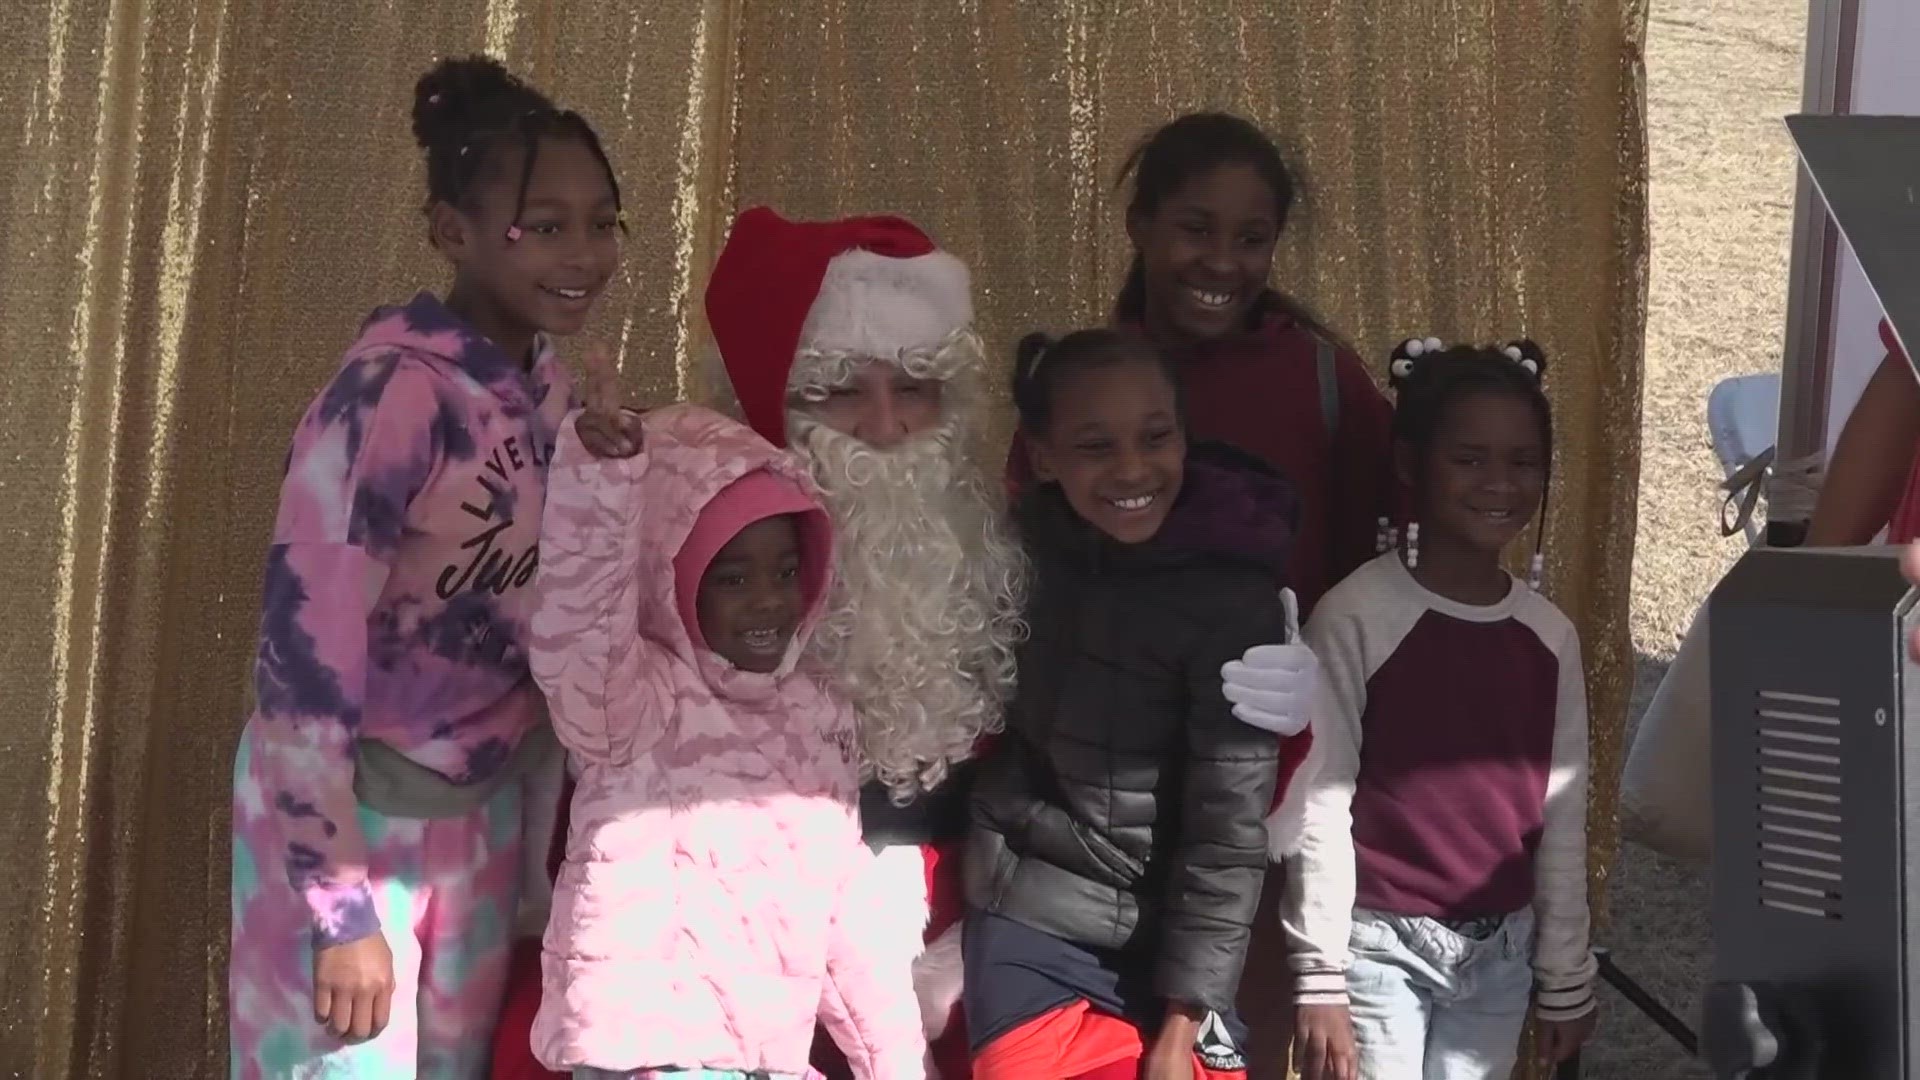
(1117, 844)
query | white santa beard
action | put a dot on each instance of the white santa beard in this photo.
(925, 610)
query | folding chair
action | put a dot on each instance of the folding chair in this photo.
(1743, 416)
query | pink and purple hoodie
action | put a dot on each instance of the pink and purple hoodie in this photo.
(398, 583)
(716, 897)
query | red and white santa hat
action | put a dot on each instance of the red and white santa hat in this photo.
(867, 286)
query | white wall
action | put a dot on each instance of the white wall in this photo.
(1886, 83)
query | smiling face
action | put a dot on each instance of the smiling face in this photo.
(1482, 479)
(1115, 445)
(567, 251)
(750, 599)
(1207, 251)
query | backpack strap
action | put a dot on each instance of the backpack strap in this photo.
(1324, 359)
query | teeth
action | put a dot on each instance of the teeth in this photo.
(761, 639)
(570, 294)
(1138, 502)
(1212, 299)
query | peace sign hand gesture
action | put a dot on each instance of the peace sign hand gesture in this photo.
(606, 429)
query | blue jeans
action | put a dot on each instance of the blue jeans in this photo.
(1430, 1003)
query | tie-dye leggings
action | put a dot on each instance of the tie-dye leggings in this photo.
(445, 889)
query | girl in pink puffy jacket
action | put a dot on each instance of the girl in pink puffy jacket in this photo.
(712, 903)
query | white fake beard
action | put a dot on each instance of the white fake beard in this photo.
(924, 614)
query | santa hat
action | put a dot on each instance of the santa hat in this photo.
(869, 286)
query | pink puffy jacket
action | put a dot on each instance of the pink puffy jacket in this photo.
(715, 899)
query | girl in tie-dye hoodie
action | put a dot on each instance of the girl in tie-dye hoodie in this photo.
(398, 743)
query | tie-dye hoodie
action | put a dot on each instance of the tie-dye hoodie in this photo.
(716, 897)
(396, 599)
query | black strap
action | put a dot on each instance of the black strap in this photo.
(1325, 360)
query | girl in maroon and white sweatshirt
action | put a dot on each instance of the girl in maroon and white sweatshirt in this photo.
(1441, 880)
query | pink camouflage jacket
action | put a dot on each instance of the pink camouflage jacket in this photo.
(715, 898)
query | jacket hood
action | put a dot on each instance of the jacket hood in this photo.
(426, 327)
(695, 456)
(1233, 510)
(755, 497)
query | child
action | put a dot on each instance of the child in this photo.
(716, 895)
(1117, 847)
(1210, 200)
(1441, 881)
(1873, 479)
(378, 803)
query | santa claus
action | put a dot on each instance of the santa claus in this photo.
(852, 343)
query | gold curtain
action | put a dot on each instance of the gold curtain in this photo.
(202, 197)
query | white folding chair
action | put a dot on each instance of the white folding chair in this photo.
(1743, 416)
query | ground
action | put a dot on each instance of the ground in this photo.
(1720, 76)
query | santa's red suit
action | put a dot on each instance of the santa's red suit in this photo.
(925, 611)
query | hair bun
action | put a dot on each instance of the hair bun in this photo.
(448, 95)
(1406, 358)
(1529, 356)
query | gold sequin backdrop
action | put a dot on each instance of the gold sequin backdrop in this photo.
(201, 197)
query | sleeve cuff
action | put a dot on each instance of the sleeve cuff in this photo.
(1564, 1004)
(1180, 986)
(341, 914)
(1320, 988)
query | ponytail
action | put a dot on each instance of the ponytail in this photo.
(1029, 395)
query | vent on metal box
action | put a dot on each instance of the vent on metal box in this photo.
(1798, 788)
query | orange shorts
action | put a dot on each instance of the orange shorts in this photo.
(1073, 1042)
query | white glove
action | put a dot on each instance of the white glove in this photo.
(1272, 686)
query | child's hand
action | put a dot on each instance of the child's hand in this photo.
(1272, 686)
(1171, 1055)
(1557, 1040)
(1323, 1043)
(606, 429)
(1169, 1059)
(353, 987)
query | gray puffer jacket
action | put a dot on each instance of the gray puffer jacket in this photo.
(1124, 807)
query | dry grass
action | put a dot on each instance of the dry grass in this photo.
(1721, 74)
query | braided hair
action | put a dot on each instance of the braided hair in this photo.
(465, 111)
(1429, 379)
